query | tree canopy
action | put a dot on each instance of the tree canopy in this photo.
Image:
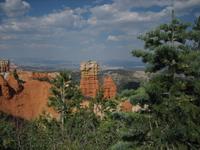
(171, 120)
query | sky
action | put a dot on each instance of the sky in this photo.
(78, 30)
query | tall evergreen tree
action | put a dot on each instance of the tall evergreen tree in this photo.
(195, 34)
(65, 95)
(172, 118)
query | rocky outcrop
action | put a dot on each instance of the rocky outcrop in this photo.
(109, 87)
(136, 108)
(89, 83)
(5, 89)
(14, 83)
(9, 85)
(126, 106)
(29, 103)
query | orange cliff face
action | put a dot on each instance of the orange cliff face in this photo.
(5, 90)
(30, 102)
(89, 83)
(109, 87)
(14, 84)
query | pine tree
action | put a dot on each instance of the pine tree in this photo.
(65, 96)
(195, 34)
(172, 118)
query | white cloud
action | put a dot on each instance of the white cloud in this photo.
(68, 31)
(183, 4)
(105, 17)
(111, 14)
(127, 4)
(65, 19)
(178, 4)
(13, 8)
(112, 38)
(120, 10)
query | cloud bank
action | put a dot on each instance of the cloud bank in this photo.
(102, 31)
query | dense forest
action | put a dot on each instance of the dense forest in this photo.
(170, 99)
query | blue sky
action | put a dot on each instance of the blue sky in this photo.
(82, 29)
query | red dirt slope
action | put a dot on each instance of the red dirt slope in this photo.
(29, 103)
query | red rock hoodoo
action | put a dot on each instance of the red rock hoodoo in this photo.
(109, 87)
(89, 83)
(4, 66)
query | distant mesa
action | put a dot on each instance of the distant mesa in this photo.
(90, 85)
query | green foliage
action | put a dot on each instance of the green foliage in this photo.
(190, 67)
(195, 34)
(172, 93)
(140, 96)
(81, 129)
(166, 34)
(171, 120)
(126, 93)
(16, 76)
(7, 133)
(65, 95)
(135, 96)
(163, 46)
(103, 106)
